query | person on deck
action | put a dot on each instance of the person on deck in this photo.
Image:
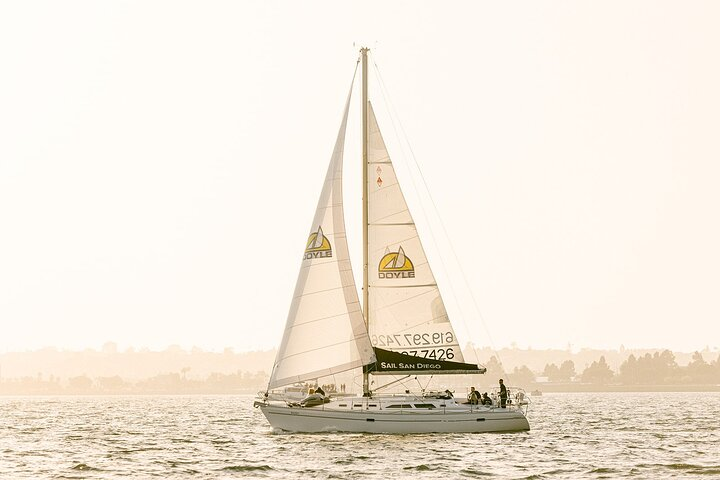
(473, 396)
(320, 391)
(314, 398)
(485, 399)
(503, 394)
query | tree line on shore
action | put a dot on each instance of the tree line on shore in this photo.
(167, 383)
(659, 368)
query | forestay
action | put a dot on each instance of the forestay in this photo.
(325, 331)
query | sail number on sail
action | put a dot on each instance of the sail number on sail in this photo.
(434, 354)
(413, 339)
(413, 343)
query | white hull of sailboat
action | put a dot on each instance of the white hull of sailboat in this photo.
(321, 419)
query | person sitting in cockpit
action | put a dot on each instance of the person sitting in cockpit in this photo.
(314, 398)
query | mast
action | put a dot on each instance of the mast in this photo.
(366, 310)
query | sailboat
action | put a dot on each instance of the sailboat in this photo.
(401, 329)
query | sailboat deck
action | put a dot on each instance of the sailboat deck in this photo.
(397, 404)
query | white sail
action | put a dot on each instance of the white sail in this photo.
(325, 332)
(406, 312)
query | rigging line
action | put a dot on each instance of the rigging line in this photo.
(383, 89)
(424, 389)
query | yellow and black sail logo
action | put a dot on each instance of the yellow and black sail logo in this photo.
(396, 265)
(318, 246)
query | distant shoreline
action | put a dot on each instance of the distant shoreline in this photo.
(543, 389)
(623, 388)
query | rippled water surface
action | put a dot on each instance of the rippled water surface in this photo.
(646, 435)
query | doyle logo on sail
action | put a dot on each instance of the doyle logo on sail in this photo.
(318, 246)
(396, 265)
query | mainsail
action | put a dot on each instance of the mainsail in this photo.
(408, 324)
(325, 332)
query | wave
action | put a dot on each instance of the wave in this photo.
(475, 473)
(682, 467)
(247, 468)
(228, 420)
(85, 468)
(604, 470)
(694, 469)
(182, 440)
(420, 468)
(126, 451)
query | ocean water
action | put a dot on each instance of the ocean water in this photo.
(626, 435)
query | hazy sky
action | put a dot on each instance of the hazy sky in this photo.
(160, 163)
